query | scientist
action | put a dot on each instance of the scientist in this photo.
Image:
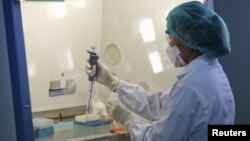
(201, 96)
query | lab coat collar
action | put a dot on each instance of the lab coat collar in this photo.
(196, 63)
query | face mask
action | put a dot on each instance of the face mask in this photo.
(174, 56)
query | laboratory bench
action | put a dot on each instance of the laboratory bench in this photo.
(69, 131)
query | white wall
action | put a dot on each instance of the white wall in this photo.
(57, 35)
(7, 122)
(122, 20)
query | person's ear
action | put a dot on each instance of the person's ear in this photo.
(172, 41)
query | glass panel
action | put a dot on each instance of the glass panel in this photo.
(130, 39)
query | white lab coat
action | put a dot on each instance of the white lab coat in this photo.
(201, 96)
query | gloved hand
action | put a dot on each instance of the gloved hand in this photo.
(104, 76)
(118, 112)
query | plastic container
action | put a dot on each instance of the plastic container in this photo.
(43, 127)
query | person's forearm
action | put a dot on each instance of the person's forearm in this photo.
(135, 98)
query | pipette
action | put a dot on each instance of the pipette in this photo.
(93, 58)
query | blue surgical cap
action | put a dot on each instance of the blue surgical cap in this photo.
(198, 27)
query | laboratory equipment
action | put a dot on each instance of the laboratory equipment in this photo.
(116, 126)
(112, 54)
(43, 127)
(69, 131)
(93, 58)
(91, 120)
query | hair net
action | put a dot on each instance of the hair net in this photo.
(199, 28)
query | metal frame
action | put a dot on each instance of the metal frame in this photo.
(18, 70)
